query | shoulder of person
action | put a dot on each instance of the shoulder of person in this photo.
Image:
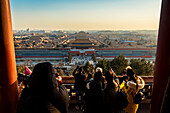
(140, 83)
(115, 83)
(139, 78)
(25, 93)
(88, 85)
(52, 108)
(131, 84)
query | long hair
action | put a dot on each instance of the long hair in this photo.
(98, 76)
(109, 76)
(42, 80)
(132, 75)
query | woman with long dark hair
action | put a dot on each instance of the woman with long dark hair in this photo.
(43, 94)
(110, 93)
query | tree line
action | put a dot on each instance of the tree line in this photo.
(118, 64)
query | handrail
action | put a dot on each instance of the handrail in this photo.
(70, 79)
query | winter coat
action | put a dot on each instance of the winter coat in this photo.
(94, 98)
(31, 103)
(80, 83)
(130, 88)
(109, 97)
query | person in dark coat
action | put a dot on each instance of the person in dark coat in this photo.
(124, 77)
(43, 94)
(110, 93)
(80, 82)
(94, 95)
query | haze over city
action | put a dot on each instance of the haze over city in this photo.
(79, 31)
(85, 14)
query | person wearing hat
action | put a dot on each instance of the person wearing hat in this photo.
(99, 69)
(22, 85)
(94, 95)
(27, 71)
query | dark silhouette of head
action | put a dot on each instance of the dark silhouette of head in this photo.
(57, 74)
(131, 75)
(98, 76)
(124, 72)
(109, 76)
(80, 69)
(89, 76)
(43, 80)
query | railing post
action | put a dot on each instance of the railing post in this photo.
(162, 65)
(8, 74)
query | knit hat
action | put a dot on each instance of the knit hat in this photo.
(99, 69)
(128, 67)
(27, 71)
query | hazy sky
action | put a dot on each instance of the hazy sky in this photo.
(85, 14)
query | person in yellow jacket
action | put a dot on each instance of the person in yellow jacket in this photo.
(131, 87)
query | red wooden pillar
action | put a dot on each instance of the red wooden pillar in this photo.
(162, 65)
(8, 74)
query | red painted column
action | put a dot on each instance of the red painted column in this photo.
(8, 74)
(162, 65)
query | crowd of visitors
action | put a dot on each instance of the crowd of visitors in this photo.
(97, 92)
(103, 93)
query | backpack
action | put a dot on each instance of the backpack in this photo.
(121, 99)
(139, 97)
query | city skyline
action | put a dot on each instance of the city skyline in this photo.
(85, 14)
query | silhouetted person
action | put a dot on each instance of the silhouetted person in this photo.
(99, 69)
(24, 83)
(89, 78)
(94, 95)
(110, 93)
(124, 77)
(43, 94)
(132, 86)
(79, 86)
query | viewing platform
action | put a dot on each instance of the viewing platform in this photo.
(144, 106)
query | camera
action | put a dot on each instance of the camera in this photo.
(24, 78)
